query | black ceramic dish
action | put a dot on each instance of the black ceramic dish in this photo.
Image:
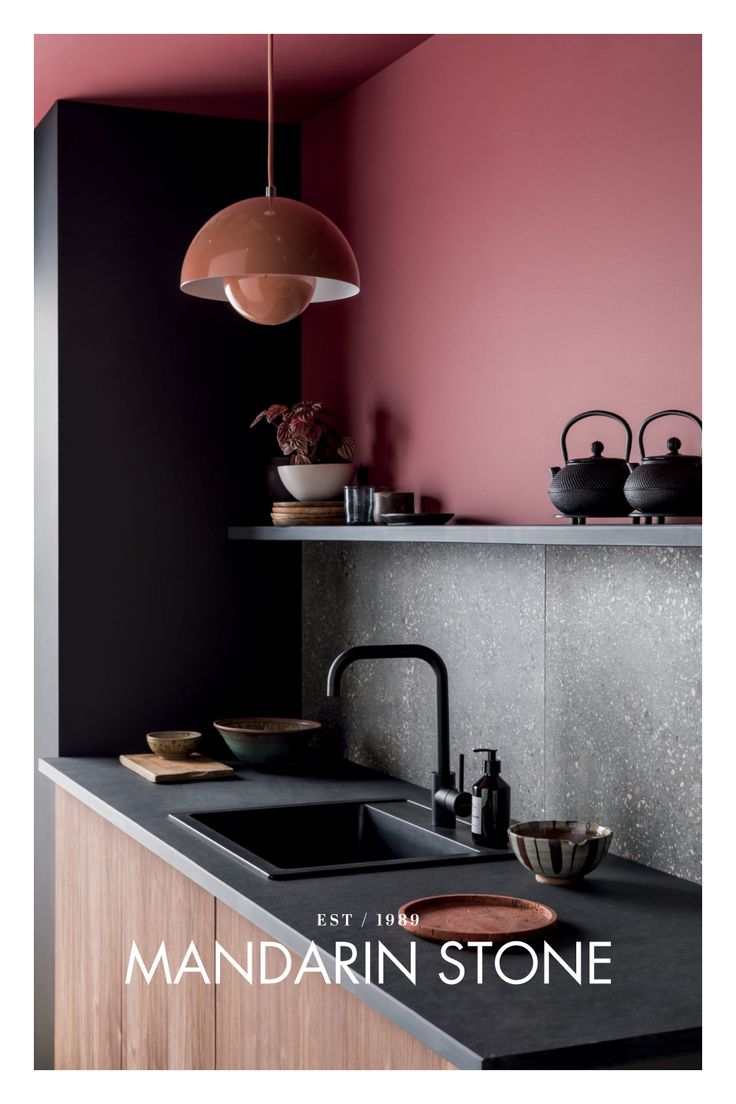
(417, 519)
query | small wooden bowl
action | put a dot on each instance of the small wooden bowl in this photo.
(175, 744)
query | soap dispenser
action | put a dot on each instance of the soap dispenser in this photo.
(491, 804)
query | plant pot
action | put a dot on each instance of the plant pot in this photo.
(316, 482)
(274, 484)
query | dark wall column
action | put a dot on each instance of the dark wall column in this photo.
(162, 622)
(148, 617)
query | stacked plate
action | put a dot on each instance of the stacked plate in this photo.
(308, 513)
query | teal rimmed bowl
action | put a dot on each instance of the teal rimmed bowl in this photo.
(260, 741)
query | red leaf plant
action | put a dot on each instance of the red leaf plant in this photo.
(303, 434)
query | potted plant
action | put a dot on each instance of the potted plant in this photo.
(320, 460)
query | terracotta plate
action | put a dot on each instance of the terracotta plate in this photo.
(487, 916)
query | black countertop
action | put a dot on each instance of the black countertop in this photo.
(649, 1013)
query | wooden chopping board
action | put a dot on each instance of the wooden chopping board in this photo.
(156, 769)
(308, 513)
(290, 519)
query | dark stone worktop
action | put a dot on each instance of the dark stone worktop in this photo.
(650, 1013)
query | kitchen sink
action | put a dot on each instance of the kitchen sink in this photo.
(341, 837)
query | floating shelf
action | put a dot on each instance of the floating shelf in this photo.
(650, 536)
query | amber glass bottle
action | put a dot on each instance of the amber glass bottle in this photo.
(491, 804)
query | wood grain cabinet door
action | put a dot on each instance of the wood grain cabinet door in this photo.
(112, 892)
(307, 1026)
(89, 972)
(166, 1026)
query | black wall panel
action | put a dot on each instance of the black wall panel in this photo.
(163, 623)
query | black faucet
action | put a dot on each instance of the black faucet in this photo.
(447, 800)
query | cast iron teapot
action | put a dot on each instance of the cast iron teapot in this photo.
(592, 486)
(670, 484)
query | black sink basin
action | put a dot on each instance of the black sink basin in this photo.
(295, 841)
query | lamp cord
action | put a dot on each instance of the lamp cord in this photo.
(271, 189)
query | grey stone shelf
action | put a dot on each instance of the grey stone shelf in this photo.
(649, 536)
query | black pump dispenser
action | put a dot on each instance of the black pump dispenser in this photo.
(491, 766)
(491, 804)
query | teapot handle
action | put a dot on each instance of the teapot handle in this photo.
(597, 414)
(662, 414)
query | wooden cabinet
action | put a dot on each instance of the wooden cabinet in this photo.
(305, 1026)
(111, 891)
(165, 1026)
(89, 975)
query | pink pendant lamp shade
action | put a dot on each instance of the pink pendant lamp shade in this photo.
(270, 257)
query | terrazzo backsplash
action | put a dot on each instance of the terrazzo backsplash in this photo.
(580, 664)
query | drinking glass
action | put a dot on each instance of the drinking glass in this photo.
(359, 505)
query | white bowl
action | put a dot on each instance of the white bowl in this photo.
(316, 482)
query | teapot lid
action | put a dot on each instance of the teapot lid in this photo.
(673, 455)
(596, 448)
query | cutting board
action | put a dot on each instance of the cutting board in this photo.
(156, 769)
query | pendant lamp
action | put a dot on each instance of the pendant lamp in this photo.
(270, 257)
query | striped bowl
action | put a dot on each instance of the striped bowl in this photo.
(560, 852)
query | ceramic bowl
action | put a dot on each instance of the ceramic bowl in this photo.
(316, 482)
(560, 852)
(174, 744)
(266, 740)
(391, 502)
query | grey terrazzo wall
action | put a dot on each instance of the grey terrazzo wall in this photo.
(623, 697)
(582, 665)
(480, 607)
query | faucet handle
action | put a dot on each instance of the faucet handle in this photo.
(463, 803)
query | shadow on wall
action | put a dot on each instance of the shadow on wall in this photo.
(386, 433)
(389, 436)
(328, 377)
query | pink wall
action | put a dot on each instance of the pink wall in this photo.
(526, 215)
